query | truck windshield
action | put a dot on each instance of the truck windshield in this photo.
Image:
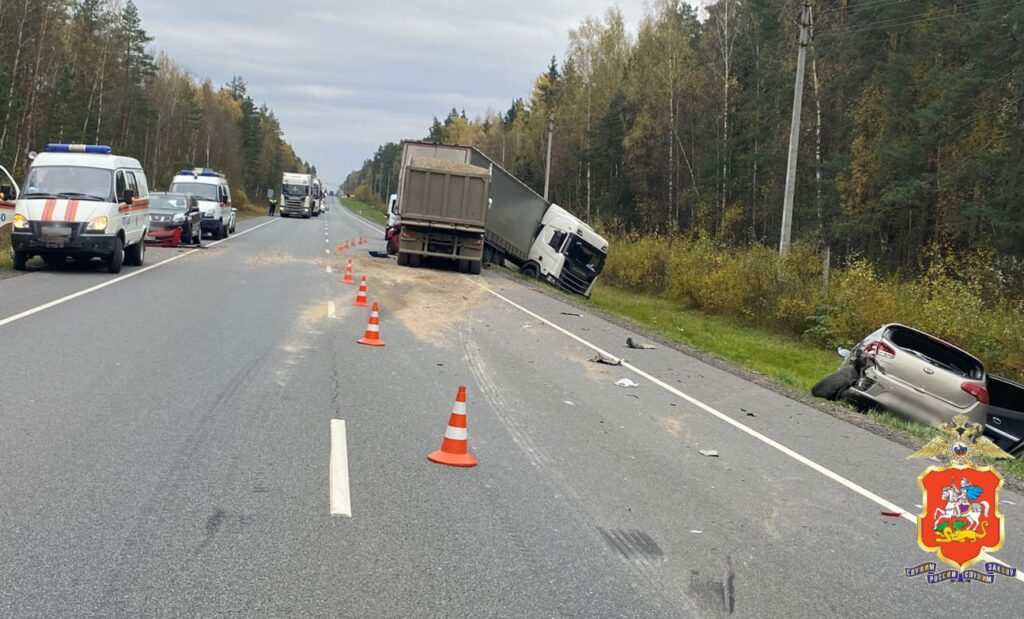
(199, 190)
(584, 255)
(69, 182)
(295, 190)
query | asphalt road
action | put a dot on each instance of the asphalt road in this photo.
(166, 441)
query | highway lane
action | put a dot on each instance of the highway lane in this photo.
(181, 468)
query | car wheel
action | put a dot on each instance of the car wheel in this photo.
(135, 254)
(20, 258)
(834, 385)
(116, 259)
(475, 267)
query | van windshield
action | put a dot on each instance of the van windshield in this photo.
(295, 190)
(585, 256)
(202, 191)
(69, 182)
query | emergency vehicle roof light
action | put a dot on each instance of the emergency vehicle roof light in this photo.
(200, 172)
(92, 149)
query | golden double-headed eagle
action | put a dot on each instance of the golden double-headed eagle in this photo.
(962, 440)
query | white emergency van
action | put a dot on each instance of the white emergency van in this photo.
(82, 202)
(211, 188)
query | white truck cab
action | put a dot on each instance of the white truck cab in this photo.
(297, 195)
(81, 202)
(211, 188)
(568, 252)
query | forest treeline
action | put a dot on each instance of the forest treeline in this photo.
(912, 139)
(81, 71)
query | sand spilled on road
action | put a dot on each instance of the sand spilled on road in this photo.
(430, 303)
(272, 258)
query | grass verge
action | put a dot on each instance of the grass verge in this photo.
(5, 247)
(365, 211)
(251, 210)
(783, 359)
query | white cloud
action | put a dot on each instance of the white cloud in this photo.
(346, 75)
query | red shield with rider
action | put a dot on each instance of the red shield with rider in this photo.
(960, 517)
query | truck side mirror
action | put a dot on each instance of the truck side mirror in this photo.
(9, 192)
(128, 196)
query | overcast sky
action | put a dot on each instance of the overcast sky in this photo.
(345, 76)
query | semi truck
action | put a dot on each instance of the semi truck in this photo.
(442, 207)
(539, 237)
(297, 196)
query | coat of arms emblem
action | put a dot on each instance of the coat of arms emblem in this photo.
(960, 519)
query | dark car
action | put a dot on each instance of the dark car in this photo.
(174, 219)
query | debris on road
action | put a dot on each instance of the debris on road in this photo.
(891, 514)
(625, 382)
(638, 346)
(569, 403)
(572, 314)
(605, 359)
(709, 453)
(696, 531)
(378, 254)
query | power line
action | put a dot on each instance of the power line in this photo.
(907, 20)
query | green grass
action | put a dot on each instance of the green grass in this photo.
(5, 247)
(251, 210)
(365, 210)
(781, 358)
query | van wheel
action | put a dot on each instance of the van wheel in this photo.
(475, 267)
(218, 232)
(19, 258)
(135, 255)
(116, 259)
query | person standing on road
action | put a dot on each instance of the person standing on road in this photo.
(273, 205)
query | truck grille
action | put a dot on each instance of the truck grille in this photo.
(573, 283)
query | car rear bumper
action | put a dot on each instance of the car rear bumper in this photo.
(882, 391)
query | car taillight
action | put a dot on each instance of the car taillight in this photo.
(980, 393)
(880, 349)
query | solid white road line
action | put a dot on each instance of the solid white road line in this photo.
(111, 282)
(836, 477)
(341, 500)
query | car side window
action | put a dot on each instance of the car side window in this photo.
(119, 185)
(143, 187)
(557, 239)
(129, 179)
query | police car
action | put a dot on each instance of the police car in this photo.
(214, 199)
(82, 202)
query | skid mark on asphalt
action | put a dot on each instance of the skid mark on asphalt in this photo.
(828, 473)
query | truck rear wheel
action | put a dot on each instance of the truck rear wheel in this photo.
(403, 259)
(463, 266)
(475, 267)
(415, 260)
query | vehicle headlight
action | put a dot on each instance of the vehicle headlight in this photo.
(178, 218)
(99, 224)
(20, 222)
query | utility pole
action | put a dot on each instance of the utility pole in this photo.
(547, 170)
(806, 23)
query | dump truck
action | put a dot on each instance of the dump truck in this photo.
(442, 207)
(540, 238)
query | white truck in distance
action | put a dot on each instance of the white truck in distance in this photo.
(297, 196)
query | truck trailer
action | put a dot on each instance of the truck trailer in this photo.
(442, 206)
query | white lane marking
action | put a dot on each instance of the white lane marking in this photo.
(329, 269)
(111, 282)
(327, 251)
(341, 500)
(836, 477)
(331, 310)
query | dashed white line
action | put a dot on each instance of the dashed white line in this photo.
(836, 477)
(111, 282)
(331, 310)
(329, 269)
(341, 500)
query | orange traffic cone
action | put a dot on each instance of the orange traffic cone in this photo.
(341, 247)
(361, 295)
(455, 444)
(348, 273)
(372, 336)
